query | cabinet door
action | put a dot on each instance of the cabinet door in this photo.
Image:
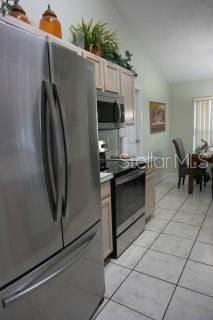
(99, 68)
(150, 194)
(111, 77)
(128, 92)
(107, 227)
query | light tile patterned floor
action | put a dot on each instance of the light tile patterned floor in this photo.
(167, 273)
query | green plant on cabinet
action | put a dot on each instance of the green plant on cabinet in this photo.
(97, 37)
(100, 40)
(6, 6)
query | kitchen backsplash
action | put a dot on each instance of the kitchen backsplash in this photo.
(113, 140)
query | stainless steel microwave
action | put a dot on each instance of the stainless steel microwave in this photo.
(111, 111)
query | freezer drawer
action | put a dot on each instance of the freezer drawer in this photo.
(69, 286)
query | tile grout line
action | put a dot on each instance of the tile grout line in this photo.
(185, 262)
(149, 248)
(101, 309)
(203, 294)
(148, 317)
(188, 196)
(177, 285)
(155, 277)
(132, 270)
(159, 233)
(182, 203)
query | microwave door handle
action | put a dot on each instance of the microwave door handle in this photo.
(119, 111)
(65, 147)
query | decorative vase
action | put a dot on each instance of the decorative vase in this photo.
(18, 12)
(96, 50)
(50, 24)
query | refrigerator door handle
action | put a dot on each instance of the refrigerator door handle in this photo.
(53, 179)
(38, 281)
(65, 146)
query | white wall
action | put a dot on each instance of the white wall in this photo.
(181, 109)
(154, 85)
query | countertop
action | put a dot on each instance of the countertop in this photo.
(140, 160)
(143, 159)
(104, 177)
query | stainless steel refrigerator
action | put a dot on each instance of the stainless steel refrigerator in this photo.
(51, 261)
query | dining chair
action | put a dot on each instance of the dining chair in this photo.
(183, 169)
(212, 181)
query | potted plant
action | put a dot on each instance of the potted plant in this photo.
(125, 62)
(98, 39)
(5, 6)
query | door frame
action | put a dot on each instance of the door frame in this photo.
(139, 119)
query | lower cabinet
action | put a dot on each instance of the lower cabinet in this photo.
(106, 219)
(150, 192)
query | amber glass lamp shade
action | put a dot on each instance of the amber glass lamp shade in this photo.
(50, 24)
(18, 12)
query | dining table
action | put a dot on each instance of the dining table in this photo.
(196, 159)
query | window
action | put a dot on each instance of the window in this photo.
(203, 121)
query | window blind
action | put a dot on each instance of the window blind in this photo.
(203, 121)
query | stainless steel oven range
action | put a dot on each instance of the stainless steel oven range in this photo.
(128, 203)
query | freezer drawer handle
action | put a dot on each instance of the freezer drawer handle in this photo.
(53, 179)
(65, 146)
(36, 283)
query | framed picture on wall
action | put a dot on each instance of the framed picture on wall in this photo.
(157, 117)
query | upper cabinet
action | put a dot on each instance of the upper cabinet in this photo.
(111, 77)
(99, 68)
(127, 81)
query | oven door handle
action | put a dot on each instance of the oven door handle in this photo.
(130, 177)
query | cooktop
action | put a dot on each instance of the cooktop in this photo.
(121, 167)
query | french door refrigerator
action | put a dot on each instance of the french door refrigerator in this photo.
(51, 264)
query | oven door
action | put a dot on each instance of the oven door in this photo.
(129, 199)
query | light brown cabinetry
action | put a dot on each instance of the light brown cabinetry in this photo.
(127, 81)
(99, 68)
(111, 77)
(106, 219)
(150, 192)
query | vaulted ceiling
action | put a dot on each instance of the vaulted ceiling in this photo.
(178, 34)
